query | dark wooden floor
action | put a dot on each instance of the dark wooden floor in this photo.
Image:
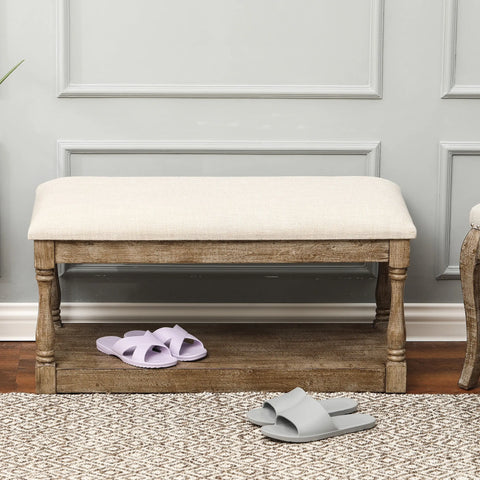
(433, 367)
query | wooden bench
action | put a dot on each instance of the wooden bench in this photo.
(225, 220)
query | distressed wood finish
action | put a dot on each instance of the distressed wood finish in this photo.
(56, 300)
(45, 333)
(304, 251)
(396, 379)
(432, 367)
(470, 278)
(265, 357)
(383, 293)
(269, 357)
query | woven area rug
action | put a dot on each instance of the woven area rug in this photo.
(205, 436)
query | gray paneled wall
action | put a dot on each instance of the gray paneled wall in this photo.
(251, 87)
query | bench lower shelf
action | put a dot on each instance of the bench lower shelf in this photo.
(242, 357)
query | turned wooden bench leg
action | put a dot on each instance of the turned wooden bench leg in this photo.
(470, 277)
(45, 376)
(56, 300)
(396, 368)
(383, 294)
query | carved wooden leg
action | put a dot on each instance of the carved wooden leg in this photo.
(45, 336)
(383, 293)
(56, 300)
(470, 277)
(396, 368)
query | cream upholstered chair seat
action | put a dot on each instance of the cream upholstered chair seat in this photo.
(475, 217)
(220, 208)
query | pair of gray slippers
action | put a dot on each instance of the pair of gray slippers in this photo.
(297, 417)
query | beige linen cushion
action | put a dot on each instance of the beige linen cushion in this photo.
(475, 217)
(219, 208)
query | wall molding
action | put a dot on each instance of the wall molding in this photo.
(450, 89)
(424, 320)
(445, 270)
(370, 149)
(373, 89)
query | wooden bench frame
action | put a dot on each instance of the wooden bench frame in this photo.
(392, 256)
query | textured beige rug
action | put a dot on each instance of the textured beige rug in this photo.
(205, 436)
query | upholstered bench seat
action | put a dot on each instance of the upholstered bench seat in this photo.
(225, 220)
(220, 208)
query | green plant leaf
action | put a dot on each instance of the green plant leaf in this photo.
(10, 72)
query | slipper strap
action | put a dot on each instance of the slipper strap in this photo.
(174, 338)
(142, 344)
(309, 418)
(285, 401)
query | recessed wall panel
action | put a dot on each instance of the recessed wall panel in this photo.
(465, 194)
(220, 48)
(468, 43)
(461, 50)
(459, 170)
(148, 164)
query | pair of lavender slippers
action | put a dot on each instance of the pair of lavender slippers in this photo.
(297, 417)
(159, 349)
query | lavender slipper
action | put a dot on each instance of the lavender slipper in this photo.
(182, 345)
(140, 351)
(273, 407)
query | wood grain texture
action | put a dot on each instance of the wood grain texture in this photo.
(45, 333)
(433, 367)
(383, 294)
(337, 360)
(399, 255)
(396, 381)
(45, 378)
(270, 357)
(44, 254)
(25, 376)
(470, 279)
(56, 300)
(175, 252)
(9, 360)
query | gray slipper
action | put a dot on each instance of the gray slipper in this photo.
(267, 414)
(309, 421)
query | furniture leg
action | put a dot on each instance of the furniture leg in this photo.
(396, 368)
(470, 278)
(56, 300)
(45, 333)
(383, 294)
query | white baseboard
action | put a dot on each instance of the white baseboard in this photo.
(425, 321)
